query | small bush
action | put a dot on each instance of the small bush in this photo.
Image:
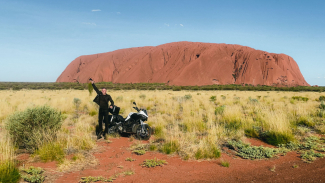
(322, 98)
(188, 97)
(177, 88)
(152, 147)
(92, 113)
(213, 98)
(276, 138)
(153, 163)
(33, 125)
(51, 152)
(170, 147)
(8, 172)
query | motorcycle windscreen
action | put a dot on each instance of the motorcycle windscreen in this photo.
(136, 116)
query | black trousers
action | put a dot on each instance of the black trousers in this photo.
(103, 114)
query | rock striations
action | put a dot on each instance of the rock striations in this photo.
(187, 63)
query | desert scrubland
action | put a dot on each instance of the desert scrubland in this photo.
(192, 124)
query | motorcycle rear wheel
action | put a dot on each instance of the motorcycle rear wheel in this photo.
(143, 135)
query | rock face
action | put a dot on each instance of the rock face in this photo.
(186, 63)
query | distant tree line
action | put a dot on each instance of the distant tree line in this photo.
(150, 86)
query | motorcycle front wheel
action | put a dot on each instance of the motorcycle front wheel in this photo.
(145, 133)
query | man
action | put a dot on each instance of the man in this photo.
(102, 100)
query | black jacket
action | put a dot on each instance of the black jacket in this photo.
(102, 100)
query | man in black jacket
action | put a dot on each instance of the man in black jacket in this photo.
(102, 100)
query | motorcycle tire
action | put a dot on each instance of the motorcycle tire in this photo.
(143, 135)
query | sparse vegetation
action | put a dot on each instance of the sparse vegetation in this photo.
(225, 163)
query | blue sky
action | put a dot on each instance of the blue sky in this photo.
(39, 38)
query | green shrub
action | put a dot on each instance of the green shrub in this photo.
(170, 147)
(8, 172)
(152, 147)
(188, 97)
(276, 138)
(159, 133)
(219, 110)
(233, 124)
(213, 98)
(51, 152)
(322, 98)
(33, 125)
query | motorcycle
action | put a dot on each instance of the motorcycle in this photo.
(134, 123)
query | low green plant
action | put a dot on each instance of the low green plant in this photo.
(153, 163)
(51, 152)
(311, 155)
(253, 152)
(252, 132)
(129, 159)
(128, 172)
(152, 147)
(8, 172)
(95, 179)
(188, 97)
(213, 98)
(272, 169)
(170, 147)
(139, 152)
(225, 163)
(33, 175)
(321, 98)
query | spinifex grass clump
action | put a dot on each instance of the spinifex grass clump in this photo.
(276, 138)
(34, 125)
(51, 152)
(8, 172)
(208, 152)
(253, 152)
(170, 147)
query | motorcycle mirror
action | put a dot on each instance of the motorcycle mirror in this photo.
(134, 103)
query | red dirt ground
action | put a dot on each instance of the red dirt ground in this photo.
(114, 154)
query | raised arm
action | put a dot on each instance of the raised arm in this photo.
(95, 88)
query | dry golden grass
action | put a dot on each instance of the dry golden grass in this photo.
(188, 117)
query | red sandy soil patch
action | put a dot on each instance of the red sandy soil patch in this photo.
(113, 155)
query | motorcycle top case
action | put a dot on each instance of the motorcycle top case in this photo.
(115, 110)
